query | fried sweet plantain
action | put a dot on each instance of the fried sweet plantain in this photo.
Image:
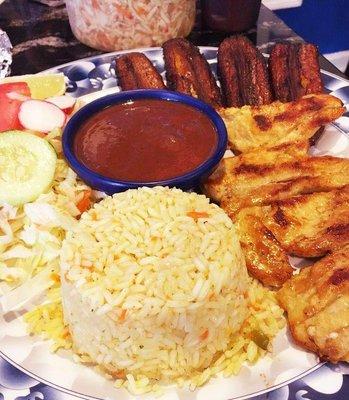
(188, 71)
(317, 303)
(310, 225)
(295, 70)
(243, 73)
(273, 124)
(135, 71)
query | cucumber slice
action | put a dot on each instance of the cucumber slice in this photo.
(27, 167)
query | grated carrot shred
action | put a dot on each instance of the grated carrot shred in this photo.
(123, 11)
(95, 5)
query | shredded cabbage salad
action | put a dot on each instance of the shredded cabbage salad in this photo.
(31, 235)
(126, 24)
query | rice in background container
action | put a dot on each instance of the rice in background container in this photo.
(124, 24)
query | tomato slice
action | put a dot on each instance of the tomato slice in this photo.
(9, 107)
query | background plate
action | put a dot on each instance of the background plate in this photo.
(92, 78)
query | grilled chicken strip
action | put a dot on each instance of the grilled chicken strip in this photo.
(188, 71)
(317, 304)
(310, 225)
(295, 71)
(243, 73)
(265, 258)
(237, 175)
(135, 71)
(273, 124)
(264, 176)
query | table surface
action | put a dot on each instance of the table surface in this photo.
(42, 38)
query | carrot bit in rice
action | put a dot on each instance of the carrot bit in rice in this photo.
(85, 202)
(55, 277)
(122, 315)
(204, 335)
(197, 214)
(120, 374)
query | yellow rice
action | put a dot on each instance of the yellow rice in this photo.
(251, 323)
(47, 320)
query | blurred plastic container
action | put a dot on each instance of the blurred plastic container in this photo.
(118, 24)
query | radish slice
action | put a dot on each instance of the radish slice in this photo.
(65, 103)
(17, 96)
(40, 116)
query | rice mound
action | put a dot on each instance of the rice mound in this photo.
(154, 284)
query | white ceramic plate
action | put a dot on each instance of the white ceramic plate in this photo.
(95, 77)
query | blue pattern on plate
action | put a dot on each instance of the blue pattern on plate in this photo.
(98, 73)
(15, 385)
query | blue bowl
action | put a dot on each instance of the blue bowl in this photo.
(110, 186)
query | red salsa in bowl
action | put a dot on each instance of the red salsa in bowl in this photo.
(145, 140)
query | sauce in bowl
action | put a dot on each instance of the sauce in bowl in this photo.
(145, 140)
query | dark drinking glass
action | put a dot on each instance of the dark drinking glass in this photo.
(230, 15)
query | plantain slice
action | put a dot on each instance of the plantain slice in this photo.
(243, 73)
(187, 71)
